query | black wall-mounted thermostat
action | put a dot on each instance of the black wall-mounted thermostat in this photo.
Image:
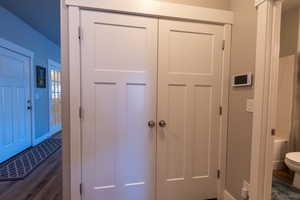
(242, 80)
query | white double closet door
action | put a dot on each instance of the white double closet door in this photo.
(136, 70)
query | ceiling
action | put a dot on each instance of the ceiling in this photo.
(42, 15)
(288, 4)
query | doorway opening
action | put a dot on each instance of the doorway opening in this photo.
(275, 144)
(286, 141)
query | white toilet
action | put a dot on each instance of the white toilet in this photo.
(292, 160)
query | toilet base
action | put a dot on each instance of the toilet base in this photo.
(297, 180)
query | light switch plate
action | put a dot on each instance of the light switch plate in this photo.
(250, 105)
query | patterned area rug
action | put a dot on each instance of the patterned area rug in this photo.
(24, 163)
(283, 191)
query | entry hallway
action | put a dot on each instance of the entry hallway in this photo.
(44, 183)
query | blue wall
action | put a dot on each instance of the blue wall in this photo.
(20, 33)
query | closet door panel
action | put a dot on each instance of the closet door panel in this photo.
(119, 74)
(189, 74)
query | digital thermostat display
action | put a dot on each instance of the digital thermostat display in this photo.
(240, 80)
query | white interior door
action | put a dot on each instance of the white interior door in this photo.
(15, 117)
(119, 69)
(189, 78)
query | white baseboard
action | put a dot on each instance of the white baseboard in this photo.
(36, 141)
(228, 196)
(54, 131)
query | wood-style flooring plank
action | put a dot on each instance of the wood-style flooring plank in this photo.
(44, 183)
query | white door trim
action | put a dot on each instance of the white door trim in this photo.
(74, 84)
(228, 196)
(25, 52)
(58, 67)
(158, 9)
(266, 71)
(71, 119)
(225, 85)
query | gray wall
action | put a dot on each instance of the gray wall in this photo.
(219, 4)
(289, 32)
(240, 122)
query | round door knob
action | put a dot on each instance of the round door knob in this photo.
(162, 123)
(151, 124)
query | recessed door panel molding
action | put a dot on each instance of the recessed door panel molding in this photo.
(176, 130)
(189, 80)
(119, 75)
(130, 51)
(106, 119)
(184, 54)
(202, 133)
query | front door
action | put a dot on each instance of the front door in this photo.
(119, 69)
(15, 100)
(189, 78)
(55, 93)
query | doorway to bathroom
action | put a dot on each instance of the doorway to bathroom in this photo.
(276, 129)
(286, 145)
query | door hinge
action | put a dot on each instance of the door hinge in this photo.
(80, 112)
(219, 174)
(80, 33)
(273, 132)
(220, 110)
(223, 45)
(80, 188)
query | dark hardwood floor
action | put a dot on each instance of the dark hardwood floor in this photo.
(45, 183)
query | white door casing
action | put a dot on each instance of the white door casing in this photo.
(189, 79)
(119, 72)
(15, 101)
